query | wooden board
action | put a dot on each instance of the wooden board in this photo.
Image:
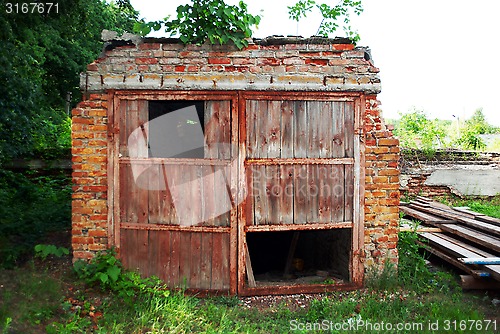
(458, 251)
(453, 261)
(422, 216)
(489, 228)
(482, 239)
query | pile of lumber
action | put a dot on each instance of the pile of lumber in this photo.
(466, 239)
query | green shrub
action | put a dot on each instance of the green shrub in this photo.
(107, 271)
(29, 209)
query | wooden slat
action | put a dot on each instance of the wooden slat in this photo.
(273, 129)
(185, 259)
(286, 200)
(125, 129)
(195, 261)
(459, 251)
(300, 129)
(339, 131)
(453, 261)
(251, 131)
(262, 144)
(349, 193)
(225, 256)
(273, 215)
(467, 211)
(312, 194)
(155, 183)
(163, 227)
(300, 194)
(472, 283)
(224, 129)
(206, 261)
(349, 129)
(175, 161)
(212, 130)
(164, 256)
(464, 245)
(495, 230)
(287, 130)
(313, 126)
(490, 220)
(326, 195)
(327, 148)
(248, 268)
(154, 253)
(480, 260)
(469, 234)
(308, 226)
(422, 216)
(175, 259)
(339, 205)
(217, 260)
(301, 161)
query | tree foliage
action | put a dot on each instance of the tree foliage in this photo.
(469, 138)
(331, 16)
(416, 130)
(203, 20)
(40, 61)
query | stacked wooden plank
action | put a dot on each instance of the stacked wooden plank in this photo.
(468, 240)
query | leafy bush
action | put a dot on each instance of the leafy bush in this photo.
(107, 271)
(331, 16)
(29, 209)
(44, 251)
(211, 20)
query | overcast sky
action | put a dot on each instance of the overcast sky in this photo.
(439, 56)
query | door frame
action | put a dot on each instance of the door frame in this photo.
(114, 226)
(356, 268)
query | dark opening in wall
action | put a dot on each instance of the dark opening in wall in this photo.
(318, 257)
(176, 129)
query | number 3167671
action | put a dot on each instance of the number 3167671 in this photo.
(32, 8)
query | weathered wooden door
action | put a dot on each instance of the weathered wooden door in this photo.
(302, 161)
(174, 169)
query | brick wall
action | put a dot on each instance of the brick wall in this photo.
(270, 64)
(381, 188)
(90, 183)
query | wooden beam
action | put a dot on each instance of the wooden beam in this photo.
(469, 282)
(248, 267)
(454, 262)
(479, 238)
(479, 260)
(492, 229)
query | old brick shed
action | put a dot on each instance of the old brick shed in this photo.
(254, 171)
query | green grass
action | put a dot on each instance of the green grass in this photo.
(38, 301)
(487, 206)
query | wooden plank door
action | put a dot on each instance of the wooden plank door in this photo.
(175, 172)
(302, 159)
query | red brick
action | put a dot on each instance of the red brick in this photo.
(316, 61)
(268, 61)
(82, 240)
(150, 46)
(92, 67)
(388, 142)
(388, 172)
(98, 233)
(219, 61)
(343, 47)
(180, 68)
(146, 61)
